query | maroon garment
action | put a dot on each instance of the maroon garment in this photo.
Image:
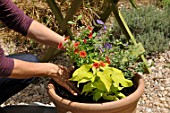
(6, 65)
(15, 19)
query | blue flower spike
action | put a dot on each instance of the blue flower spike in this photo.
(107, 46)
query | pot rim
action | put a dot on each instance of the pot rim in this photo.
(128, 101)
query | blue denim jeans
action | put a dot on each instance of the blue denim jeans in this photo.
(9, 86)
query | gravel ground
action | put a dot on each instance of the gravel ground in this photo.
(156, 98)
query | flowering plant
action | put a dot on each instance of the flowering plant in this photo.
(104, 65)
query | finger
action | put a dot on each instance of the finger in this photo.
(63, 84)
(73, 86)
(70, 89)
(62, 67)
(51, 86)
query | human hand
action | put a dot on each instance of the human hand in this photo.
(62, 77)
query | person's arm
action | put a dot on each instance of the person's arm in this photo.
(14, 18)
(41, 33)
(23, 69)
(60, 74)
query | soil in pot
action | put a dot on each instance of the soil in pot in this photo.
(85, 99)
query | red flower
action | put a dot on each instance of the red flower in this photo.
(90, 35)
(83, 54)
(96, 65)
(108, 60)
(60, 45)
(102, 64)
(66, 38)
(76, 51)
(76, 44)
(90, 28)
(85, 41)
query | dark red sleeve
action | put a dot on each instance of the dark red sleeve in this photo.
(14, 17)
(6, 65)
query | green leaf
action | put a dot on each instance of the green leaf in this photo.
(88, 88)
(114, 89)
(105, 78)
(110, 97)
(118, 78)
(118, 87)
(94, 34)
(84, 69)
(94, 70)
(96, 61)
(121, 95)
(97, 94)
(84, 75)
(71, 22)
(84, 80)
(107, 69)
(79, 17)
(99, 85)
(93, 78)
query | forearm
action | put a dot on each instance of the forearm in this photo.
(41, 33)
(23, 69)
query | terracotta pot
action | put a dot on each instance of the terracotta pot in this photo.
(126, 105)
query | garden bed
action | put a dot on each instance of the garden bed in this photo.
(156, 98)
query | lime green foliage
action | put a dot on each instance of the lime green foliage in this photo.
(105, 66)
(118, 53)
(103, 82)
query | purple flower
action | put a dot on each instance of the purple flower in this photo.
(100, 22)
(105, 28)
(125, 44)
(101, 49)
(107, 45)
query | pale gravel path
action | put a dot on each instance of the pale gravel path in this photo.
(156, 98)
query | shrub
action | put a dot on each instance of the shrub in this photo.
(165, 2)
(151, 44)
(103, 67)
(149, 25)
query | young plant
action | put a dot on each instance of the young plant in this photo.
(101, 81)
(105, 67)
